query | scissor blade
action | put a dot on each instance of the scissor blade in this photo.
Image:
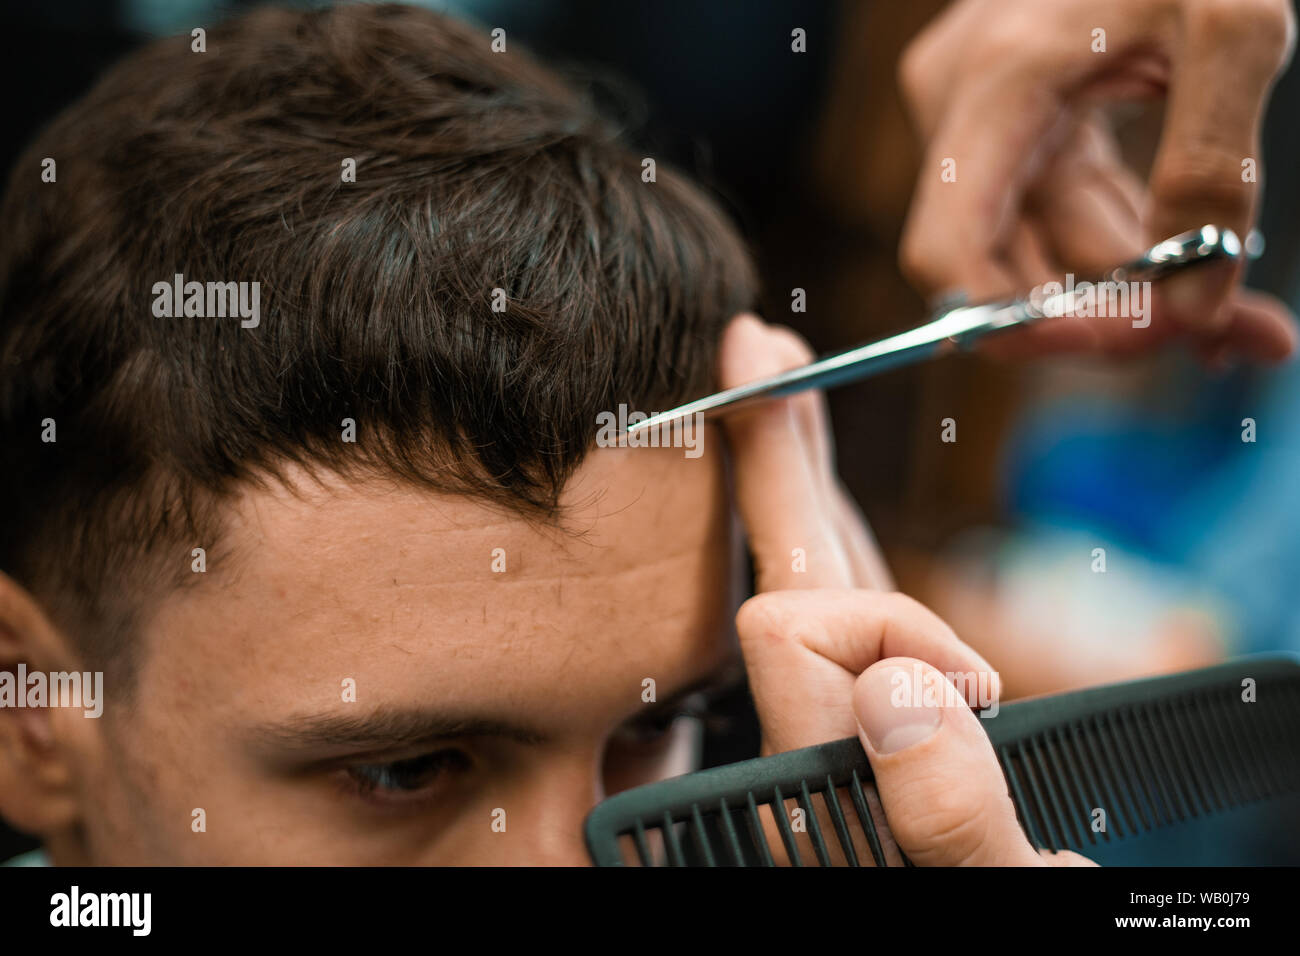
(960, 326)
(860, 362)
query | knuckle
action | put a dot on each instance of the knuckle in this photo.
(949, 828)
(903, 606)
(901, 602)
(762, 617)
(1266, 26)
(1207, 175)
(916, 71)
(1012, 39)
(1000, 45)
(1255, 16)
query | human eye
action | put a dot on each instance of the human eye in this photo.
(407, 780)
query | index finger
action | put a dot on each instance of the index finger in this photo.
(1206, 168)
(778, 464)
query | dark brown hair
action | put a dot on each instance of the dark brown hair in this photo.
(474, 171)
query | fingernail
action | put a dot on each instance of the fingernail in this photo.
(892, 709)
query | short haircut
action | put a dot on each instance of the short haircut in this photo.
(475, 171)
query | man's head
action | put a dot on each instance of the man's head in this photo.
(361, 587)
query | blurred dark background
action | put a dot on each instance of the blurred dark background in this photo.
(813, 157)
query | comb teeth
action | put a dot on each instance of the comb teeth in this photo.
(1082, 769)
(1168, 760)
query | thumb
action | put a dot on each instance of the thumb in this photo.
(939, 782)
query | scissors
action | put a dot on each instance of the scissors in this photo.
(957, 325)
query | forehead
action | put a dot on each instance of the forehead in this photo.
(420, 597)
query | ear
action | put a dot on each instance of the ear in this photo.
(38, 745)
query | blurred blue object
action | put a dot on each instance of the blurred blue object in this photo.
(1189, 494)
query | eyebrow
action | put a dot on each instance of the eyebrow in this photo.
(383, 729)
(389, 728)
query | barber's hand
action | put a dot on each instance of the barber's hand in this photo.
(1010, 91)
(824, 660)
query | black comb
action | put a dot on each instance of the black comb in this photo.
(1151, 753)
